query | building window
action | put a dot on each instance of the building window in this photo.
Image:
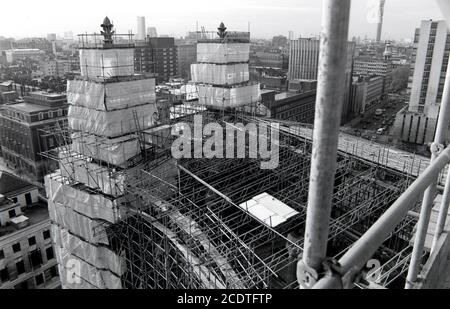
(35, 258)
(49, 253)
(12, 213)
(39, 279)
(4, 275)
(2, 254)
(20, 266)
(32, 241)
(46, 234)
(16, 247)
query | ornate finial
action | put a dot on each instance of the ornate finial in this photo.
(107, 30)
(222, 30)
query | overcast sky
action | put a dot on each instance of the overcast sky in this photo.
(175, 17)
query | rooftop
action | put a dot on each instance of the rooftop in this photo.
(36, 214)
(28, 107)
(10, 183)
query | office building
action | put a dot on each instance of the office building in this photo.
(27, 258)
(304, 64)
(417, 123)
(158, 56)
(21, 138)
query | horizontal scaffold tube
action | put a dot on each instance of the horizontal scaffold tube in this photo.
(368, 244)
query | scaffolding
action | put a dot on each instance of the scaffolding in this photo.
(182, 225)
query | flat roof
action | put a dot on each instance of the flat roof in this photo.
(29, 107)
(36, 214)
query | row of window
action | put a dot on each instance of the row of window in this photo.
(34, 259)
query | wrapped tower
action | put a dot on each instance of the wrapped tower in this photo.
(222, 73)
(108, 106)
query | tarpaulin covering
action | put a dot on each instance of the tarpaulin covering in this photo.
(98, 256)
(107, 63)
(110, 96)
(228, 97)
(89, 205)
(112, 123)
(90, 276)
(78, 167)
(115, 151)
(220, 74)
(223, 52)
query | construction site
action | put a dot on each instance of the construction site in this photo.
(127, 214)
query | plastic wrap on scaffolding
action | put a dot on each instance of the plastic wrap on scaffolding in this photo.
(77, 274)
(220, 74)
(116, 151)
(110, 96)
(87, 204)
(228, 97)
(223, 52)
(80, 168)
(98, 256)
(112, 123)
(106, 63)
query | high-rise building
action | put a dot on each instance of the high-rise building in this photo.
(157, 55)
(417, 123)
(151, 32)
(222, 72)
(279, 41)
(380, 19)
(107, 108)
(140, 34)
(304, 64)
(291, 35)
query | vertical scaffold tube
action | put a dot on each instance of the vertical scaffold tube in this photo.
(330, 96)
(427, 202)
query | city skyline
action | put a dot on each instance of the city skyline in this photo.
(302, 17)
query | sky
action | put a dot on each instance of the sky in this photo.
(266, 18)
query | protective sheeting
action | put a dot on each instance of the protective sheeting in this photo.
(82, 275)
(98, 256)
(86, 205)
(112, 123)
(228, 97)
(223, 52)
(106, 63)
(116, 151)
(79, 168)
(225, 74)
(111, 96)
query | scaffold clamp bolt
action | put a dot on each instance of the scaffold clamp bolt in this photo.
(306, 276)
(436, 148)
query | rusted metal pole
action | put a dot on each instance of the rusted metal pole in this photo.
(427, 202)
(330, 96)
(363, 249)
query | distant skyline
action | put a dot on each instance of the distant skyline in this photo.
(176, 17)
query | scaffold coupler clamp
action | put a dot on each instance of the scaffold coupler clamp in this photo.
(332, 268)
(436, 148)
(306, 276)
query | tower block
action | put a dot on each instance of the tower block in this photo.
(108, 106)
(222, 73)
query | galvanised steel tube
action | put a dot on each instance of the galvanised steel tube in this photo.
(427, 202)
(330, 95)
(445, 9)
(363, 249)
